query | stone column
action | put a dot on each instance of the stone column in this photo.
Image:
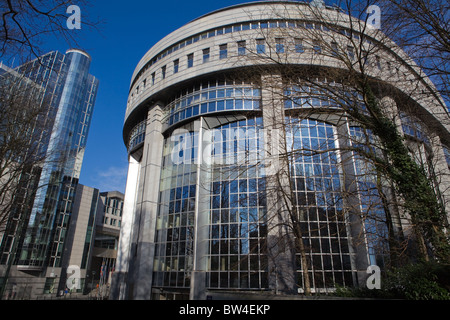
(400, 219)
(280, 242)
(119, 288)
(202, 211)
(352, 205)
(442, 172)
(147, 206)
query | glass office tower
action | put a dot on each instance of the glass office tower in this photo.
(35, 236)
(233, 159)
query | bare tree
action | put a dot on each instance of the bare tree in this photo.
(422, 29)
(26, 24)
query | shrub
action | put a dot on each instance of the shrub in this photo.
(418, 281)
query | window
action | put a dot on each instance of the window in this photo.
(205, 55)
(190, 60)
(163, 72)
(49, 286)
(223, 51)
(316, 47)
(176, 65)
(260, 46)
(378, 62)
(351, 52)
(234, 227)
(334, 49)
(153, 78)
(299, 45)
(446, 154)
(279, 45)
(241, 47)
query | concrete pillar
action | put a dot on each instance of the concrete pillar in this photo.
(352, 206)
(202, 211)
(442, 173)
(119, 288)
(401, 220)
(147, 206)
(281, 249)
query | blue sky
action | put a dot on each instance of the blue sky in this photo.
(129, 30)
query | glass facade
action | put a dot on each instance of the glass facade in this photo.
(307, 96)
(413, 128)
(213, 96)
(174, 251)
(237, 256)
(137, 135)
(314, 96)
(446, 154)
(89, 239)
(235, 208)
(317, 184)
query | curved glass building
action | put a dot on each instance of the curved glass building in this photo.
(241, 179)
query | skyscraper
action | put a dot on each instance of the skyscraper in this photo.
(33, 243)
(243, 129)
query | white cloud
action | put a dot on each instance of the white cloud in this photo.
(112, 178)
